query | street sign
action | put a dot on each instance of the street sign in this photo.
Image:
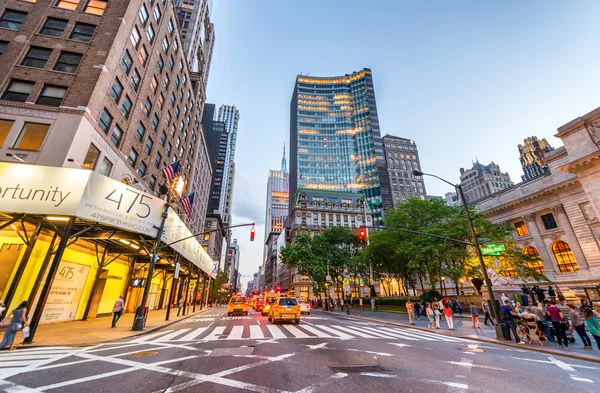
(345, 281)
(177, 267)
(493, 249)
(494, 254)
(483, 240)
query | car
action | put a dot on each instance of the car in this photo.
(258, 304)
(268, 300)
(304, 306)
(285, 309)
(237, 305)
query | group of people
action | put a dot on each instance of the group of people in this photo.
(537, 294)
(433, 312)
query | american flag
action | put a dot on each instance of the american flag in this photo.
(171, 171)
(187, 203)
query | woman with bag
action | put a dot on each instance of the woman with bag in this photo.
(19, 319)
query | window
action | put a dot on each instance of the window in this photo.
(91, 158)
(12, 19)
(564, 257)
(148, 146)
(143, 13)
(83, 32)
(168, 151)
(160, 101)
(180, 66)
(143, 55)
(157, 14)
(175, 45)
(36, 57)
(170, 27)
(167, 80)
(133, 156)
(96, 7)
(116, 136)
(165, 44)
(157, 160)
(177, 81)
(160, 63)
(105, 120)
(18, 91)
(139, 133)
(172, 100)
(142, 169)
(150, 34)
(5, 126)
(126, 62)
(68, 62)
(171, 63)
(126, 107)
(184, 79)
(177, 112)
(180, 95)
(135, 80)
(537, 265)
(148, 107)
(163, 139)
(155, 121)
(116, 90)
(52, 95)
(106, 167)
(3, 45)
(54, 27)
(549, 221)
(135, 37)
(152, 182)
(31, 136)
(68, 4)
(154, 84)
(521, 228)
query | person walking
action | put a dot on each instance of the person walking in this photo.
(593, 324)
(179, 305)
(410, 309)
(557, 323)
(118, 310)
(539, 292)
(448, 314)
(459, 306)
(430, 317)
(373, 304)
(475, 316)
(579, 326)
(486, 310)
(18, 321)
(560, 295)
(506, 315)
(551, 293)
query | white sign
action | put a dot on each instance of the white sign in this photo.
(177, 267)
(65, 294)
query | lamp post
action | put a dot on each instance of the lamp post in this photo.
(475, 244)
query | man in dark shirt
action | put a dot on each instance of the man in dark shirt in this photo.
(507, 314)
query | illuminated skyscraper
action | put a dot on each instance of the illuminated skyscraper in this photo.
(278, 188)
(532, 154)
(335, 140)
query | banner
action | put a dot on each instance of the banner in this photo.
(65, 294)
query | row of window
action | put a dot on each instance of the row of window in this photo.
(20, 90)
(565, 260)
(37, 57)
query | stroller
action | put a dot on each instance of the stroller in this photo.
(570, 336)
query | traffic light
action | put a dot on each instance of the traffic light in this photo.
(362, 234)
(252, 232)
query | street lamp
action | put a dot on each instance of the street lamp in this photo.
(475, 244)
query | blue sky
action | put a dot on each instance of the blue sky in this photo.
(463, 79)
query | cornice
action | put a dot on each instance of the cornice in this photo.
(582, 164)
(41, 108)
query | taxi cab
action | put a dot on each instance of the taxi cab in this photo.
(267, 302)
(237, 305)
(284, 309)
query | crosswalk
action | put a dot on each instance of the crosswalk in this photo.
(31, 357)
(302, 331)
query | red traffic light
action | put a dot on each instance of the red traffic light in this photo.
(252, 232)
(362, 234)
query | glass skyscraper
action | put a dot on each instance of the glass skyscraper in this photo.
(335, 139)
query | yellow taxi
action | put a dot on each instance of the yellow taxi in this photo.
(269, 299)
(284, 309)
(237, 305)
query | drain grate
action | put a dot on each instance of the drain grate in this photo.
(356, 368)
(143, 353)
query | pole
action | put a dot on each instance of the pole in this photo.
(62, 245)
(138, 322)
(188, 282)
(170, 300)
(486, 278)
(196, 290)
(208, 292)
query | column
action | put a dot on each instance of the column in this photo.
(540, 245)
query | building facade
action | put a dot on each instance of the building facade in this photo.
(532, 154)
(229, 115)
(335, 141)
(451, 198)
(232, 265)
(271, 265)
(555, 215)
(197, 33)
(278, 187)
(402, 158)
(483, 180)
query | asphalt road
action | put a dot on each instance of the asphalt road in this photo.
(211, 352)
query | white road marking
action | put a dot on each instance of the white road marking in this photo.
(372, 352)
(404, 345)
(355, 333)
(295, 331)
(236, 333)
(379, 375)
(470, 365)
(214, 335)
(193, 334)
(396, 334)
(171, 335)
(275, 332)
(317, 346)
(316, 332)
(370, 331)
(341, 335)
(562, 365)
(573, 377)
(449, 384)
(256, 332)
(150, 336)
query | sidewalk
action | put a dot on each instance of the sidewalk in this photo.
(463, 329)
(97, 330)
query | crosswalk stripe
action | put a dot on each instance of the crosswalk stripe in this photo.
(193, 334)
(236, 333)
(30, 357)
(355, 333)
(215, 333)
(21, 363)
(373, 332)
(276, 332)
(341, 335)
(427, 336)
(171, 335)
(295, 331)
(256, 332)
(316, 332)
(150, 336)
(394, 334)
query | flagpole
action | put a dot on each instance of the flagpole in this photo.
(152, 173)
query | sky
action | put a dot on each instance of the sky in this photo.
(466, 80)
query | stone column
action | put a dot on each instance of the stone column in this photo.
(540, 245)
(565, 225)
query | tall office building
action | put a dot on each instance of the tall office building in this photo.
(197, 33)
(278, 188)
(403, 158)
(230, 116)
(483, 180)
(532, 154)
(335, 140)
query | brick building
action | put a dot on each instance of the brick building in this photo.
(402, 158)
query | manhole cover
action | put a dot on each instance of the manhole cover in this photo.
(144, 353)
(356, 368)
(474, 350)
(242, 351)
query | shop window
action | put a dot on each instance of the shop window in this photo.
(96, 7)
(52, 95)
(105, 167)
(32, 136)
(68, 62)
(537, 265)
(83, 32)
(36, 57)
(54, 27)
(549, 221)
(116, 90)
(68, 4)
(521, 228)
(18, 90)
(116, 136)
(126, 107)
(12, 19)
(105, 120)
(564, 257)
(126, 62)
(133, 156)
(91, 158)
(5, 126)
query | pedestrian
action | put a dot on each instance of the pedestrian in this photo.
(430, 317)
(459, 306)
(579, 326)
(584, 304)
(410, 309)
(525, 295)
(438, 314)
(551, 293)
(540, 317)
(2, 307)
(118, 310)
(448, 314)
(540, 294)
(418, 310)
(18, 321)
(507, 315)
(593, 324)
(475, 316)
(373, 304)
(560, 295)
(180, 305)
(486, 310)
(557, 323)
(504, 298)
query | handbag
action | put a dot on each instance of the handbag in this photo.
(25, 332)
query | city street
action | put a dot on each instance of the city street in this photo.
(211, 352)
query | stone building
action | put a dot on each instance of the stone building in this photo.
(532, 154)
(556, 214)
(402, 158)
(483, 180)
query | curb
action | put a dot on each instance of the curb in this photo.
(485, 340)
(87, 344)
